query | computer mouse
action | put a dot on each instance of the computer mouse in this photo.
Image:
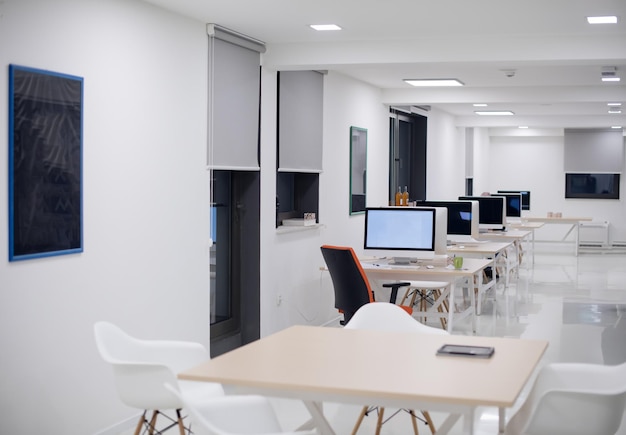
(430, 266)
(461, 246)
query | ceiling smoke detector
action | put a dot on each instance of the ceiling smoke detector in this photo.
(609, 74)
(509, 72)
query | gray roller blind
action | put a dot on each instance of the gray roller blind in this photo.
(234, 87)
(300, 97)
(593, 150)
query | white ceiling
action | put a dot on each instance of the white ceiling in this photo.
(556, 57)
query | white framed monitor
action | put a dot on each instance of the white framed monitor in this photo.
(441, 229)
(491, 211)
(403, 233)
(462, 219)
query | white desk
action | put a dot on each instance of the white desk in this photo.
(470, 275)
(528, 226)
(317, 364)
(488, 250)
(515, 236)
(571, 221)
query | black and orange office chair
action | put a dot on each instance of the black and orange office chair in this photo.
(352, 288)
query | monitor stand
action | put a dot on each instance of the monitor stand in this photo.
(401, 260)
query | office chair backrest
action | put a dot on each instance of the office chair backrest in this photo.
(352, 289)
(141, 367)
(385, 316)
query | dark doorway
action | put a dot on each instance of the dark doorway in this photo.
(407, 154)
(235, 260)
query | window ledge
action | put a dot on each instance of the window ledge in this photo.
(283, 229)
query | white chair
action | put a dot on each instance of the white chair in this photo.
(431, 299)
(572, 399)
(384, 316)
(141, 367)
(232, 415)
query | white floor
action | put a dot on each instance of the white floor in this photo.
(575, 302)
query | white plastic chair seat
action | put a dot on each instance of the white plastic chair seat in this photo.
(233, 415)
(428, 285)
(573, 399)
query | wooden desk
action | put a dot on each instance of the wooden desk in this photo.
(323, 364)
(572, 221)
(380, 270)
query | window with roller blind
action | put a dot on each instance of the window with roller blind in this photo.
(299, 143)
(233, 161)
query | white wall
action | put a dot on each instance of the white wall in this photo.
(445, 178)
(535, 163)
(290, 262)
(145, 260)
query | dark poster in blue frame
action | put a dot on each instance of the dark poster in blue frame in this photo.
(45, 163)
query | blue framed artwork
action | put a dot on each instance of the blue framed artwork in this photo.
(45, 163)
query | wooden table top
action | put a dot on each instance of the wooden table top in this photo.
(336, 364)
(557, 220)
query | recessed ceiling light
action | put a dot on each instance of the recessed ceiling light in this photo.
(616, 126)
(615, 111)
(523, 126)
(322, 27)
(434, 82)
(609, 19)
(494, 112)
(610, 79)
(479, 105)
(614, 104)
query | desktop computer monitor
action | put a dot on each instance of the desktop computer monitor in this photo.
(491, 211)
(462, 218)
(525, 197)
(513, 204)
(441, 230)
(400, 232)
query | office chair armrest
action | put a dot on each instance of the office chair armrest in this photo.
(177, 355)
(578, 377)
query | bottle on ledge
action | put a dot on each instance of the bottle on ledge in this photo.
(405, 196)
(399, 196)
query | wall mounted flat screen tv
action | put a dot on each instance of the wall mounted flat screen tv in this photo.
(525, 197)
(592, 186)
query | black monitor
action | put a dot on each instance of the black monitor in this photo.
(400, 232)
(525, 197)
(491, 211)
(462, 216)
(513, 203)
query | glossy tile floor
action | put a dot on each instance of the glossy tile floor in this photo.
(577, 303)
